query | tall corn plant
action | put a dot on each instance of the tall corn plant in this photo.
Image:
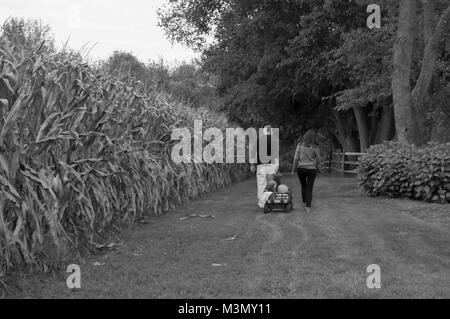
(83, 154)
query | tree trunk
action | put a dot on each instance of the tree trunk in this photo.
(421, 92)
(386, 126)
(374, 131)
(428, 19)
(351, 144)
(363, 127)
(406, 123)
(344, 126)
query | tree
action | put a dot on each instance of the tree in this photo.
(409, 103)
(186, 81)
(365, 56)
(315, 64)
(189, 81)
(125, 63)
(251, 56)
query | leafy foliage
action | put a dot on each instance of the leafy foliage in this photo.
(186, 81)
(400, 170)
(294, 63)
(277, 61)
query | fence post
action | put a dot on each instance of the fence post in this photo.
(331, 161)
(343, 162)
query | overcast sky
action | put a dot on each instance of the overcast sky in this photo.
(129, 25)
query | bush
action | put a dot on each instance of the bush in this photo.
(398, 170)
(83, 154)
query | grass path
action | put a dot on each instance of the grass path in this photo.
(321, 255)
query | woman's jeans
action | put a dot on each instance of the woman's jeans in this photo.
(307, 178)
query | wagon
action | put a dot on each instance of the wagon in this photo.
(279, 202)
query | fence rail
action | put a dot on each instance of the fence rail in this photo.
(341, 163)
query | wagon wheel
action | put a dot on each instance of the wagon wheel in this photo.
(289, 207)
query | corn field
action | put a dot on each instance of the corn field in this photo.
(84, 154)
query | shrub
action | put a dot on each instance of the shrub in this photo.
(83, 153)
(398, 170)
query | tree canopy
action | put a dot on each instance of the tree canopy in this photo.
(306, 64)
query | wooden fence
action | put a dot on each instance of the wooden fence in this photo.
(342, 162)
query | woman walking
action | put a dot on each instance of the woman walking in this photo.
(307, 163)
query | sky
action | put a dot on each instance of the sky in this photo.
(129, 25)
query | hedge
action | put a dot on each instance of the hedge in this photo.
(399, 170)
